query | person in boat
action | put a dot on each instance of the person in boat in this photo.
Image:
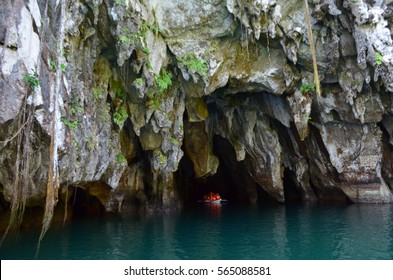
(212, 196)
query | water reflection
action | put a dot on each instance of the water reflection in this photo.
(222, 232)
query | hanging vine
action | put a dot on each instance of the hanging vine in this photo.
(21, 167)
(21, 176)
(52, 188)
(312, 49)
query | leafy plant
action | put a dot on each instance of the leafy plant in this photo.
(76, 107)
(194, 64)
(97, 94)
(32, 79)
(71, 124)
(378, 58)
(63, 67)
(307, 88)
(146, 50)
(164, 80)
(174, 140)
(121, 3)
(52, 65)
(148, 65)
(120, 158)
(104, 115)
(128, 36)
(163, 158)
(154, 26)
(139, 81)
(120, 116)
(120, 93)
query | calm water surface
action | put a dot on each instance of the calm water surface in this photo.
(227, 232)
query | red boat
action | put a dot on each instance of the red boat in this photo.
(212, 198)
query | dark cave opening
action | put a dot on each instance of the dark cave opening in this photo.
(291, 192)
(82, 204)
(232, 180)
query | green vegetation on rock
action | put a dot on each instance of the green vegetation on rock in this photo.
(32, 79)
(378, 58)
(120, 158)
(163, 80)
(307, 88)
(120, 116)
(194, 64)
(71, 124)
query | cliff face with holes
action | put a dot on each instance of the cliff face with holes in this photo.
(162, 101)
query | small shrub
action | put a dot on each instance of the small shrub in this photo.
(71, 124)
(194, 64)
(120, 93)
(164, 80)
(97, 94)
(307, 88)
(120, 116)
(120, 158)
(63, 67)
(163, 159)
(52, 65)
(149, 66)
(146, 50)
(139, 81)
(76, 107)
(378, 58)
(32, 80)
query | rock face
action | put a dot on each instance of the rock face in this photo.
(160, 101)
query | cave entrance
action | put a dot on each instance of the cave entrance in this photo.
(82, 204)
(291, 191)
(232, 180)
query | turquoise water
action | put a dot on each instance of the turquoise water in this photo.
(227, 232)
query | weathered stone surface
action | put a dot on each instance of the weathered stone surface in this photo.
(254, 141)
(301, 109)
(130, 72)
(356, 153)
(198, 148)
(191, 19)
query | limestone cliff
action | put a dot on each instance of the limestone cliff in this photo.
(150, 103)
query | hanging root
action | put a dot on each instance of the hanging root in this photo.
(21, 175)
(312, 49)
(52, 188)
(65, 207)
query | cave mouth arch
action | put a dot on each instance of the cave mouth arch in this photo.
(232, 179)
(82, 204)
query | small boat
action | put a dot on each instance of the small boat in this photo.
(213, 201)
(212, 198)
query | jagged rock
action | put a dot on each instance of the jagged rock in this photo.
(356, 153)
(301, 108)
(198, 149)
(254, 141)
(149, 139)
(196, 110)
(130, 72)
